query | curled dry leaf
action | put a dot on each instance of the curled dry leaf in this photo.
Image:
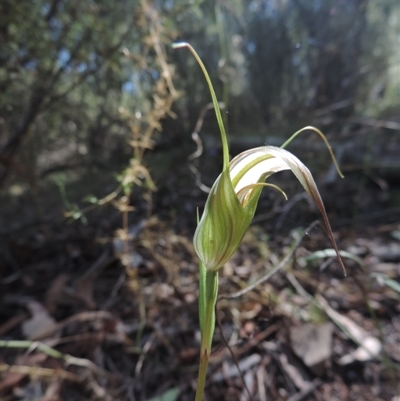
(369, 346)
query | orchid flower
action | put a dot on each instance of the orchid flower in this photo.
(233, 199)
(229, 211)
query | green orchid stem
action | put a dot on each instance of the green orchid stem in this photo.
(323, 138)
(207, 298)
(225, 149)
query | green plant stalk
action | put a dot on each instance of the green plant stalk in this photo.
(323, 138)
(69, 359)
(223, 194)
(208, 291)
(224, 56)
(225, 151)
(208, 285)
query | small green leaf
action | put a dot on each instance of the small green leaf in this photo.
(395, 234)
(331, 253)
(169, 395)
(384, 279)
(90, 199)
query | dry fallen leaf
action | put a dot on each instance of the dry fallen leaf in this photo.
(40, 322)
(312, 344)
(369, 346)
(293, 370)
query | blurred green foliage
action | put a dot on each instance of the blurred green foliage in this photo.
(71, 69)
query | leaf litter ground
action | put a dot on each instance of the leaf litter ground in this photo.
(88, 316)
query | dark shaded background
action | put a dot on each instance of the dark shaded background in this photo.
(99, 190)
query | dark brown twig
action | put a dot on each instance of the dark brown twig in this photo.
(280, 265)
(232, 353)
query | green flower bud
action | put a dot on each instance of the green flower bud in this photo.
(222, 225)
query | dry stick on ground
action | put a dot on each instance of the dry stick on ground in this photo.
(217, 358)
(145, 350)
(79, 317)
(231, 352)
(69, 359)
(280, 265)
(284, 261)
(39, 371)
